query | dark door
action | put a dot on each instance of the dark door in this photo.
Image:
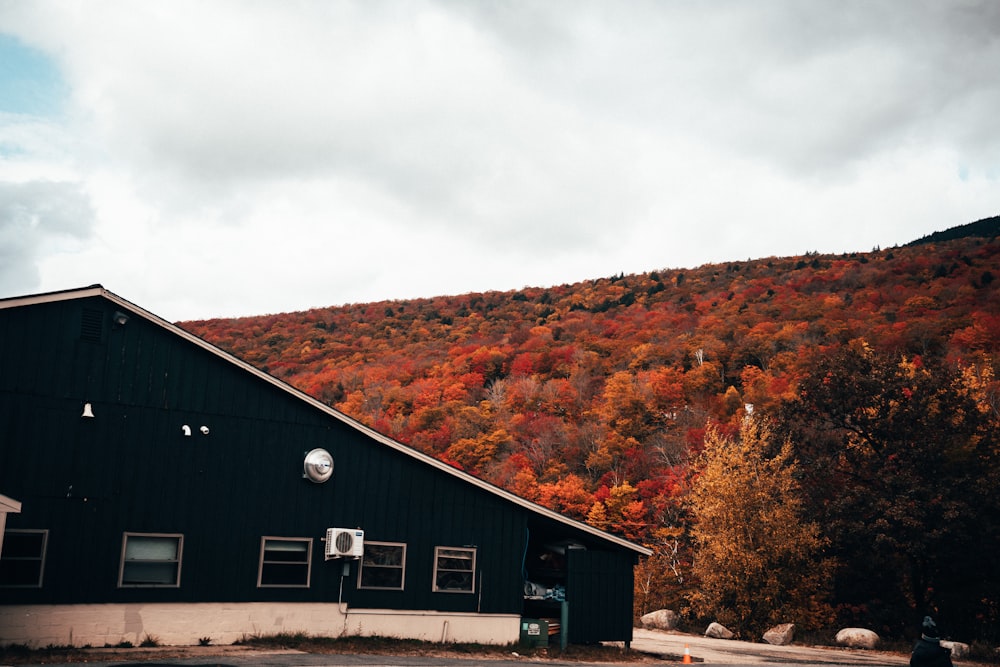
(599, 596)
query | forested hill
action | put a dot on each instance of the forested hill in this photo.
(988, 228)
(541, 377)
(595, 398)
(707, 339)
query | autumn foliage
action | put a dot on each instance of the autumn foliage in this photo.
(595, 398)
(759, 559)
(900, 460)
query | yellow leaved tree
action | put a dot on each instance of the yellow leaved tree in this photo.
(757, 560)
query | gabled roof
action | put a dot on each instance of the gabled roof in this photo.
(99, 291)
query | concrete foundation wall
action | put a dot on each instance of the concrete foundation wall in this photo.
(38, 626)
(434, 626)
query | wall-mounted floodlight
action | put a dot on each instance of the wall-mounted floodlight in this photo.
(318, 466)
(119, 318)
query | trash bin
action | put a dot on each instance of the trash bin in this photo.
(534, 632)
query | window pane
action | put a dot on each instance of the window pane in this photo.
(299, 546)
(283, 574)
(151, 548)
(286, 551)
(454, 581)
(155, 574)
(382, 566)
(383, 554)
(284, 557)
(449, 563)
(454, 569)
(382, 577)
(23, 558)
(19, 573)
(151, 560)
(284, 562)
(23, 545)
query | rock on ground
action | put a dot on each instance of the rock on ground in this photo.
(857, 638)
(661, 619)
(719, 631)
(958, 649)
(780, 635)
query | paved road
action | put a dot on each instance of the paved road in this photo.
(309, 660)
(668, 647)
(731, 652)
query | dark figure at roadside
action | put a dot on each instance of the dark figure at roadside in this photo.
(927, 651)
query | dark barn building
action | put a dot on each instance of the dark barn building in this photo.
(167, 489)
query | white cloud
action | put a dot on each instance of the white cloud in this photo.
(38, 218)
(244, 157)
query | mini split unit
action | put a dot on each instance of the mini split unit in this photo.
(345, 543)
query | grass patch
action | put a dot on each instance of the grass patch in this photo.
(16, 654)
(396, 646)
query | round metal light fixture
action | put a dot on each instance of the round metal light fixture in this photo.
(318, 466)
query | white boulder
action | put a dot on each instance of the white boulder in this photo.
(958, 649)
(718, 631)
(857, 638)
(661, 619)
(780, 635)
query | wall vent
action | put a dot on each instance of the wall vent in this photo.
(92, 325)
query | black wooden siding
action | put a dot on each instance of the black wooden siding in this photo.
(130, 468)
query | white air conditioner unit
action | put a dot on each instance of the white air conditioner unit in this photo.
(345, 543)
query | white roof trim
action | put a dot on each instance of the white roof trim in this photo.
(98, 290)
(8, 506)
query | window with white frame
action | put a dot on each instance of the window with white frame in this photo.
(454, 569)
(383, 566)
(23, 560)
(285, 562)
(151, 560)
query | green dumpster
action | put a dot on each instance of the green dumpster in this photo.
(534, 632)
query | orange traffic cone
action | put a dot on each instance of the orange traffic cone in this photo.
(687, 655)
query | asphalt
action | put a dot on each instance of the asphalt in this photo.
(732, 652)
(290, 658)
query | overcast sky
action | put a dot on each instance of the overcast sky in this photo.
(225, 158)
